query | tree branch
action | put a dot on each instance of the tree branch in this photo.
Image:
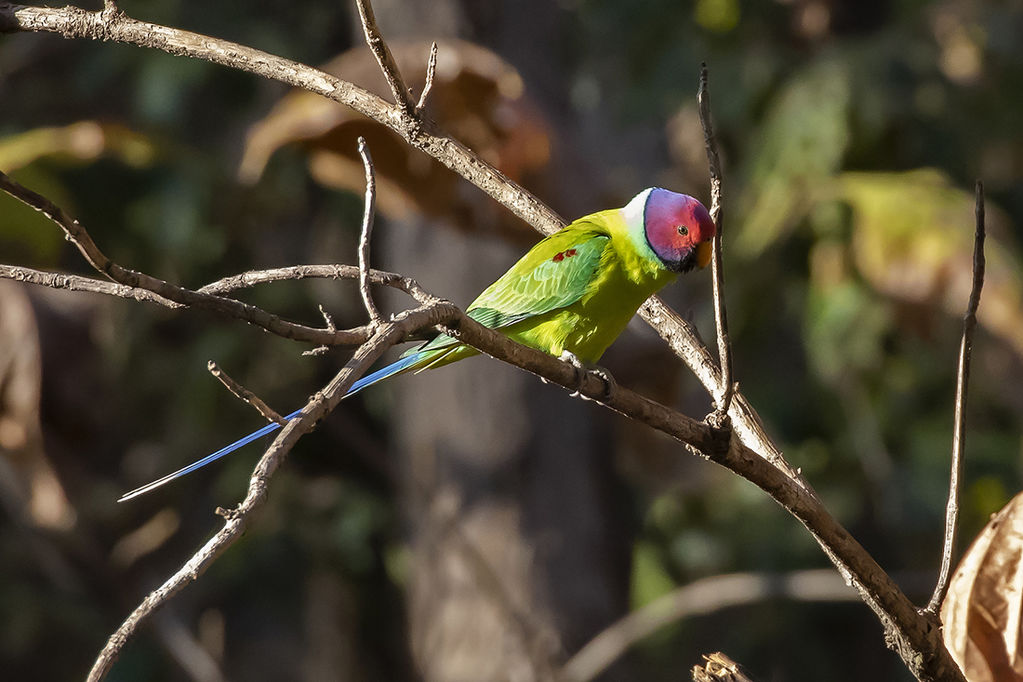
(431, 70)
(724, 398)
(331, 271)
(959, 429)
(369, 209)
(384, 58)
(132, 279)
(245, 395)
(59, 280)
(700, 598)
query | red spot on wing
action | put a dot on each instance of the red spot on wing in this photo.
(560, 256)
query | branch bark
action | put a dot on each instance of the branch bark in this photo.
(368, 211)
(724, 397)
(959, 428)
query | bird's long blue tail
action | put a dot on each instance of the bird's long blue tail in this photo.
(368, 380)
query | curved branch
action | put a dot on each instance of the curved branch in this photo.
(331, 271)
(699, 598)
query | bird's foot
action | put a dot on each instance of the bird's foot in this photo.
(580, 371)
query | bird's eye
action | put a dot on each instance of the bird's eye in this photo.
(682, 230)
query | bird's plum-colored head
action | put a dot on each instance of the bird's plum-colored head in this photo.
(678, 229)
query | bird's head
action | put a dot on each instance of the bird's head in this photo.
(676, 227)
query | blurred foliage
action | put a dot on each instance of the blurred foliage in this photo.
(852, 135)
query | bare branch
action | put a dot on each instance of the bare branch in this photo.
(244, 394)
(724, 398)
(332, 271)
(683, 340)
(73, 231)
(237, 520)
(328, 318)
(700, 598)
(368, 211)
(384, 57)
(431, 69)
(57, 280)
(959, 430)
(60, 280)
(132, 279)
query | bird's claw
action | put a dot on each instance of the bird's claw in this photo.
(580, 370)
(609, 381)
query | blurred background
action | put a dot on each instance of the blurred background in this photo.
(473, 523)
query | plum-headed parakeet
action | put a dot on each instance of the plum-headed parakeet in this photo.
(574, 292)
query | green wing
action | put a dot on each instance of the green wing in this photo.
(553, 274)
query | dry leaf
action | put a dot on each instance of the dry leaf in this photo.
(476, 97)
(982, 611)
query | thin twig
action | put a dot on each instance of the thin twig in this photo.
(384, 57)
(368, 211)
(431, 69)
(959, 432)
(79, 236)
(328, 319)
(215, 290)
(332, 271)
(245, 394)
(236, 520)
(724, 400)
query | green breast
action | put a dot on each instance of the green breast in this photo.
(588, 326)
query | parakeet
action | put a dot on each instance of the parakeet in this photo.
(571, 295)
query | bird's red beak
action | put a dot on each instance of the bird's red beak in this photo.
(704, 250)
